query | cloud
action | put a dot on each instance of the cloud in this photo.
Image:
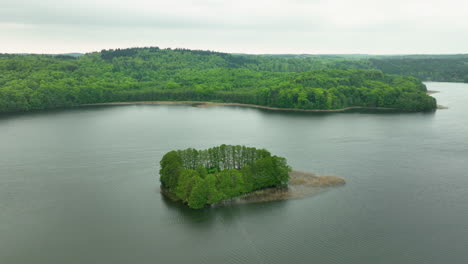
(300, 26)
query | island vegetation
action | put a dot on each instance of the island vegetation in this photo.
(202, 177)
(29, 82)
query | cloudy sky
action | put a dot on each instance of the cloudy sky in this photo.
(246, 26)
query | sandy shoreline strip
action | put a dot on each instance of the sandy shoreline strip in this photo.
(213, 104)
(442, 107)
(301, 184)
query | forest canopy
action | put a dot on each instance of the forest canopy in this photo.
(29, 82)
(203, 177)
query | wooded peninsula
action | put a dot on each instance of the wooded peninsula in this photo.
(29, 82)
(203, 177)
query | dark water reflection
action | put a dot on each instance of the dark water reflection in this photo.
(80, 186)
(205, 218)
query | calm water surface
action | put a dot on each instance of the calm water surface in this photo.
(81, 186)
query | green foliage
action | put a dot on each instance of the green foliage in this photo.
(185, 183)
(448, 68)
(231, 183)
(198, 197)
(29, 82)
(201, 177)
(171, 168)
(213, 195)
(267, 171)
(439, 68)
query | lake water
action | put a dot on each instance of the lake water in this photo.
(81, 186)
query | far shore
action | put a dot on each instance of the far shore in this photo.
(213, 104)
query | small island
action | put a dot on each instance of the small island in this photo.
(230, 174)
(203, 177)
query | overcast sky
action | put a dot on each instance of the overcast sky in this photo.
(245, 26)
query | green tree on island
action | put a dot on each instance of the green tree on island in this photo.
(203, 177)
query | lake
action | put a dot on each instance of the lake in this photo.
(82, 186)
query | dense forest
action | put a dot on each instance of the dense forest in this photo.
(439, 68)
(30, 82)
(203, 177)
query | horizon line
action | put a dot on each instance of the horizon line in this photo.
(239, 53)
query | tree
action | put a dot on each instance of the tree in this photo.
(29, 82)
(221, 172)
(213, 194)
(185, 184)
(171, 167)
(231, 183)
(198, 197)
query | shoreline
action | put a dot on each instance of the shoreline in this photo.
(301, 184)
(442, 107)
(203, 104)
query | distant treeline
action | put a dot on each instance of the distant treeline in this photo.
(203, 177)
(439, 68)
(30, 82)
